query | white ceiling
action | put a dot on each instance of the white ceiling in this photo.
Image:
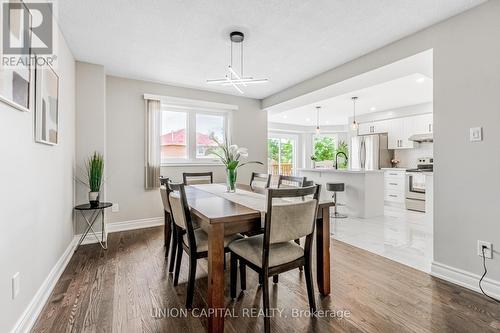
(184, 42)
(408, 90)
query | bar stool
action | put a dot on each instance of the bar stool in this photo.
(336, 187)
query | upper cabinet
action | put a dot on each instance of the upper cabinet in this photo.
(423, 123)
(399, 129)
(375, 127)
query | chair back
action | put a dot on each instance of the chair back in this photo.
(180, 211)
(164, 192)
(193, 178)
(291, 214)
(290, 181)
(260, 180)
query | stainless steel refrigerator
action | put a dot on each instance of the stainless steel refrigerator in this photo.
(370, 152)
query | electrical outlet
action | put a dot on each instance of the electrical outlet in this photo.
(488, 251)
(16, 287)
(115, 208)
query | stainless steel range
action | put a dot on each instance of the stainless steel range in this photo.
(415, 184)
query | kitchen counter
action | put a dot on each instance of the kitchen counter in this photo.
(396, 169)
(341, 170)
(364, 189)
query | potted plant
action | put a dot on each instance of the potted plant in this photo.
(95, 170)
(230, 156)
(314, 159)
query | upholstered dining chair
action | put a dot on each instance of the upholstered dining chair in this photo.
(290, 181)
(193, 178)
(193, 241)
(275, 252)
(169, 234)
(260, 181)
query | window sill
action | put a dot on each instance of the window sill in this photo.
(190, 164)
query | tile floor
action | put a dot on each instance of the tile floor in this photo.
(401, 235)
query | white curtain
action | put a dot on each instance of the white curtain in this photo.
(153, 149)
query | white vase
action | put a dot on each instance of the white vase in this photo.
(94, 199)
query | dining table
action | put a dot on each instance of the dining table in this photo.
(221, 213)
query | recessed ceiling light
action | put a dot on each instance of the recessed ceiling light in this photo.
(327, 122)
(285, 116)
(308, 119)
(373, 108)
(420, 79)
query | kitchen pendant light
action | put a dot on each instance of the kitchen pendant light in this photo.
(232, 78)
(354, 125)
(317, 120)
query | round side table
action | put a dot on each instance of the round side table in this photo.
(95, 212)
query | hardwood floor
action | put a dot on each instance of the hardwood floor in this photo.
(121, 290)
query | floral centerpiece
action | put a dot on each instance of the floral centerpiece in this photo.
(230, 156)
(395, 162)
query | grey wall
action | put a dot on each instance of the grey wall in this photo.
(36, 196)
(466, 94)
(125, 143)
(91, 125)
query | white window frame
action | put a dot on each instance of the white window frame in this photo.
(192, 108)
(333, 135)
(289, 136)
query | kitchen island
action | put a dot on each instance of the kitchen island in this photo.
(364, 189)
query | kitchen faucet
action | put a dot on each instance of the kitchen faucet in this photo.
(336, 159)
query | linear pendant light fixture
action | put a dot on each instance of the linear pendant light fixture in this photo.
(232, 78)
(317, 120)
(354, 124)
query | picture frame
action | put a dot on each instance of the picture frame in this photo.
(16, 83)
(46, 105)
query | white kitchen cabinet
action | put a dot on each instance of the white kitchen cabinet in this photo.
(375, 127)
(394, 185)
(423, 123)
(400, 129)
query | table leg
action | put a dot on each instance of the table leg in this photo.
(323, 252)
(104, 243)
(215, 295)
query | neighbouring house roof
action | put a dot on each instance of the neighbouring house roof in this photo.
(179, 138)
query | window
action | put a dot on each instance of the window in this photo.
(207, 124)
(173, 135)
(186, 135)
(281, 150)
(324, 148)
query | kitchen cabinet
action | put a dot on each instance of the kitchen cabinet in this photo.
(375, 127)
(394, 185)
(400, 129)
(423, 124)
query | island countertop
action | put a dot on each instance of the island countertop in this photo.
(332, 170)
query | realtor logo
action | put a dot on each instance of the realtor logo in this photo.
(25, 26)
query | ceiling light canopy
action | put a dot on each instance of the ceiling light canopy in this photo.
(354, 124)
(233, 78)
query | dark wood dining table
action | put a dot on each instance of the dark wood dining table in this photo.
(219, 216)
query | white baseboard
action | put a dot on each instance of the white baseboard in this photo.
(121, 226)
(30, 315)
(134, 224)
(465, 279)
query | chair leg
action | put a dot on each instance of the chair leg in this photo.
(260, 279)
(298, 242)
(265, 303)
(275, 278)
(310, 285)
(173, 251)
(243, 276)
(234, 273)
(178, 262)
(191, 279)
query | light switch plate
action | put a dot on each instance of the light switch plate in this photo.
(115, 208)
(16, 287)
(476, 134)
